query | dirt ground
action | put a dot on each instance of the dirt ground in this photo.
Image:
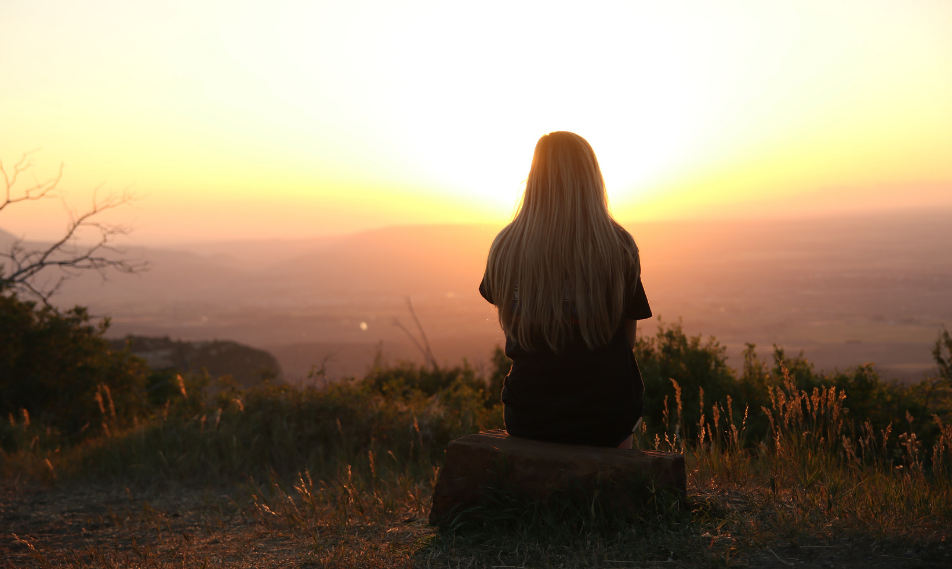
(119, 527)
(100, 526)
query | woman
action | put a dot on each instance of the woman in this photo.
(565, 278)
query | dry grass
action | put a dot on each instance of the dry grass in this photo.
(343, 478)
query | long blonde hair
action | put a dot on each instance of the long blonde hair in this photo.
(563, 258)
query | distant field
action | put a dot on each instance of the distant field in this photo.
(845, 290)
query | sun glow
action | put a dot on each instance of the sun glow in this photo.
(300, 118)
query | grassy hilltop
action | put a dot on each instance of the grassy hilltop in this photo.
(108, 463)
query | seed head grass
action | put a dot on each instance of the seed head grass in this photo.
(342, 476)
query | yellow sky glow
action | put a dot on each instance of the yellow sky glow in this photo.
(245, 120)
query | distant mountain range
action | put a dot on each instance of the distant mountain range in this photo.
(845, 289)
(247, 366)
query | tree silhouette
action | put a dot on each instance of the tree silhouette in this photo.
(40, 270)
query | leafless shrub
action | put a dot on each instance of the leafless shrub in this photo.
(39, 270)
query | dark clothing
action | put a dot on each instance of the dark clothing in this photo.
(577, 396)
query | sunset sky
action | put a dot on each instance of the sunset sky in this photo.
(289, 119)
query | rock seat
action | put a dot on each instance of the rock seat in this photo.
(536, 470)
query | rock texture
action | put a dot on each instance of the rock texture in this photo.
(537, 469)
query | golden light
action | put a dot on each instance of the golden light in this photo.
(298, 118)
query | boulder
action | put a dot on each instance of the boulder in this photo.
(535, 470)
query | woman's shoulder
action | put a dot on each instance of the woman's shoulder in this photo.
(631, 249)
(625, 238)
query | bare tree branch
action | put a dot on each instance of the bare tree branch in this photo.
(39, 189)
(21, 267)
(426, 351)
(426, 342)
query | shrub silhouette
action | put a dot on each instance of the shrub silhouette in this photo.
(60, 384)
(56, 368)
(693, 364)
(677, 366)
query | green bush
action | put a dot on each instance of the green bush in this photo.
(60, 384)
(235, 433)
(57, 372)
(693, 364)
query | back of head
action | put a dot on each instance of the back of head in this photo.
(561, 265)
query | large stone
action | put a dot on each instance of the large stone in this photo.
(533, 469)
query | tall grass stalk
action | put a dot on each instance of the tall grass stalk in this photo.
(814, 475)
(342, 464)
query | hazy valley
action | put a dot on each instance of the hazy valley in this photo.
(845, 290)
